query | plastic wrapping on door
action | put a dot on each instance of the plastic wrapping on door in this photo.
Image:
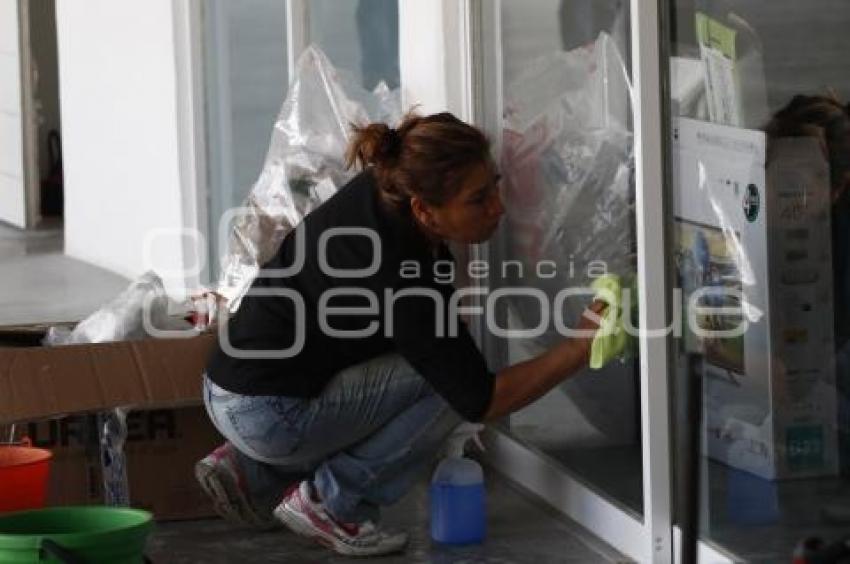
(303, 168)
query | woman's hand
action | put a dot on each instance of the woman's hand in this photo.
(518, 385)
(588, 324)
(591, 318)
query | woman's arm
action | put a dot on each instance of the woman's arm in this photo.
(518, 385)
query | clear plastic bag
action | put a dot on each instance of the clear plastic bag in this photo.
(568, 181)
(568, 173)
(304, 165)
(122, 319)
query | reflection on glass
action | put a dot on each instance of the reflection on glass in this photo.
(568, 187)
(360, 37)
(245, 67)
(705, 261)
(761, 162)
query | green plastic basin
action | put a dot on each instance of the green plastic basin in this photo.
(92, 535)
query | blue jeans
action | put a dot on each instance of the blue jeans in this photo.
(365, 440)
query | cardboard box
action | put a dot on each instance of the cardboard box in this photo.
(40, 382)
(764, 233)
(162, 448)
(55, 390)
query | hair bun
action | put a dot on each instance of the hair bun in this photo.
(375, 144)
(390, 145)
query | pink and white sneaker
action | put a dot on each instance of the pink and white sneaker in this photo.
(222, 480)
(307, 517)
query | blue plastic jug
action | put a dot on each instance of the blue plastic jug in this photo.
(458, 503)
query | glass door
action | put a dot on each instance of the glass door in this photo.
(561, 105)
(246, 76)
(759, 153)
(360, 37)
(566, 160)
(248, 48)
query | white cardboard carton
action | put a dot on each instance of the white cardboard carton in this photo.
(764, 233)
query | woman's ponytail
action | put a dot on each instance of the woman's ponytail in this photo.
(375, 144)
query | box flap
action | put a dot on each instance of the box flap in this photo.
(45, 382)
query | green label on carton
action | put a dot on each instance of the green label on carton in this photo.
(804, 445)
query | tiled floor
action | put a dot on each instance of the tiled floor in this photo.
(39, 284)
(519, 531)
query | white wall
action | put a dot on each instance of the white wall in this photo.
(119, 97)
(12, 192)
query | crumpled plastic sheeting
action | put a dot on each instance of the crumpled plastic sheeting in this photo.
(568, 173)
(304, 165)
(122, 319)
(568, 181)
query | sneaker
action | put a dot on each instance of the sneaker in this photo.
(222, 480)
(307, 517)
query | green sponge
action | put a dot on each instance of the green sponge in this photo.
(611, 340)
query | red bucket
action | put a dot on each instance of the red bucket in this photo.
(23, 477)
